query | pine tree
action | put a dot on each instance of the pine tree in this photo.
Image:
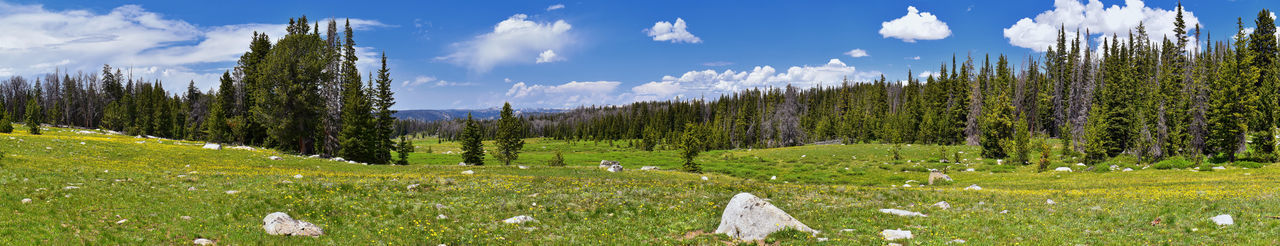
(403, 149)
(357, 135)
(997, 115)
(5, 125)
(557, 160)
(384, 121)
(509, 137)
(216, 124)
(1263, 51)
(34, 114)
(472, 147)
(690, 147)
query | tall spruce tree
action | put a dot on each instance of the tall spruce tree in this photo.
(384, 121)
(510, 136)
(35, 114)
(690, 146)
(1263, 51)
(472, 147)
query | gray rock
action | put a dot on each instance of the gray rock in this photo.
(275, 158)
(900, 212)
(607, 163)
(468, 172)
(892, 234)
(1062, 169)
(279, 223)
(973, 187)
(942, 205)
(615, 168)
(649, 168)
(202, 241)
(750, 218)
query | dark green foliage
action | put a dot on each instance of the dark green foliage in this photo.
(510, 136)
(286, 100)
(1045, 151)
(6, 126)
(1248, 164)
(34, 115)
(557, 160)
(472, 147)
(383, 121)
(690, 147)
(403, 148)
(1176, 162)
(997, 116)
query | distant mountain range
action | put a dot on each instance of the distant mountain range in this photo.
(449, 114)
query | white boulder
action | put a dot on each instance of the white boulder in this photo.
(212, 146)
(615, 168)
(519, 220)
(1049, 201)
(973, 187)
(1062, 169)
(704, 178)
(468, 172)
(649, 168)
(1219, 168)
(275, 158)
(26, 200)
(279, 223)
(891, 234)
(1127, 170)
(1224, 219)
(202, 241)
(750, 218)
(297, 176)
(900, 212)
(523, 167)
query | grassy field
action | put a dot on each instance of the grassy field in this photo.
(93, 188)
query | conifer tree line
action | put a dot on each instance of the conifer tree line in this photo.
(1124, 95)
(301, 93)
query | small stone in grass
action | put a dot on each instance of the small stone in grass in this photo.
(519, 220)
(468, 172)
(297, 176)
(26, 200)
(202, 241)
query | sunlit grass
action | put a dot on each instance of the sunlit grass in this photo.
(148, 184)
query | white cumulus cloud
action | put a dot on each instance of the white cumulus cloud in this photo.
(36, 40)
(914, 26)
(565, 95)
(710, 82)
(855, 53)
(1042, 31)
(513, 40)
(676, 33)
(548, 56)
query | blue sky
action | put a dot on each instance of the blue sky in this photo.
(478, 54)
